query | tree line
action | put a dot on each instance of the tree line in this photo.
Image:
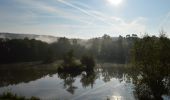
(105, 48)
(151, 67)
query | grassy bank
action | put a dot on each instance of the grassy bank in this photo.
(10, 96)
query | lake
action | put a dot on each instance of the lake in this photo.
(106, 82)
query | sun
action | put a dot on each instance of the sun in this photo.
(115, 2)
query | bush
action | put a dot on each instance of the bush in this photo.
(88, 61)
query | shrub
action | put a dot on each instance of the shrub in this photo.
(88, 61)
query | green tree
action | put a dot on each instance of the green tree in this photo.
(88, 62)
(151, 59)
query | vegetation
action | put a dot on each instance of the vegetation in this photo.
(108, 49)
(105, 49)
(151, 62)
(149, 56)
(18, 50)
(10, 96)
(70, 63)
(88, 62)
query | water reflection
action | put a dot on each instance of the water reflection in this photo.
(150, 85)
(107, 80)
(16, 76)
(88, 79)
(109, 72)
(69, 79)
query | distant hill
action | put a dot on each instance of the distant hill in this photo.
(50, 39)
(45, 38)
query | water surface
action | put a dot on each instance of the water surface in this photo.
(105, 82)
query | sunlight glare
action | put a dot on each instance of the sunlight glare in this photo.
(116, 98)
(115, 2)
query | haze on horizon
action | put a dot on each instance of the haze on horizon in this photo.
(85, 18)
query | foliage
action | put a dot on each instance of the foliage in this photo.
(73, 65)
(70, 63)
(151, 61)
(88, 62)
(152, 53)
(107, 49)
(18, 50)
(27, 50)
(10, 96)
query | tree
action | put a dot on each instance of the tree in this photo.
(88, 61)
(151, 59)
(69, 57)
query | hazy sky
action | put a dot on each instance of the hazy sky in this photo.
(85, 18)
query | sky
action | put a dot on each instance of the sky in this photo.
(85, 18)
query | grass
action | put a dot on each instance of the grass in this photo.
(10, 96)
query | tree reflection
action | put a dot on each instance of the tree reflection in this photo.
(88, 79)
(68, 79)
(114, 71)
(16, 76)
(68, 84)
(150, 87)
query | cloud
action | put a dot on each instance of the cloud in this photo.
(51, 11)
(136, 25)
(82, 20)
